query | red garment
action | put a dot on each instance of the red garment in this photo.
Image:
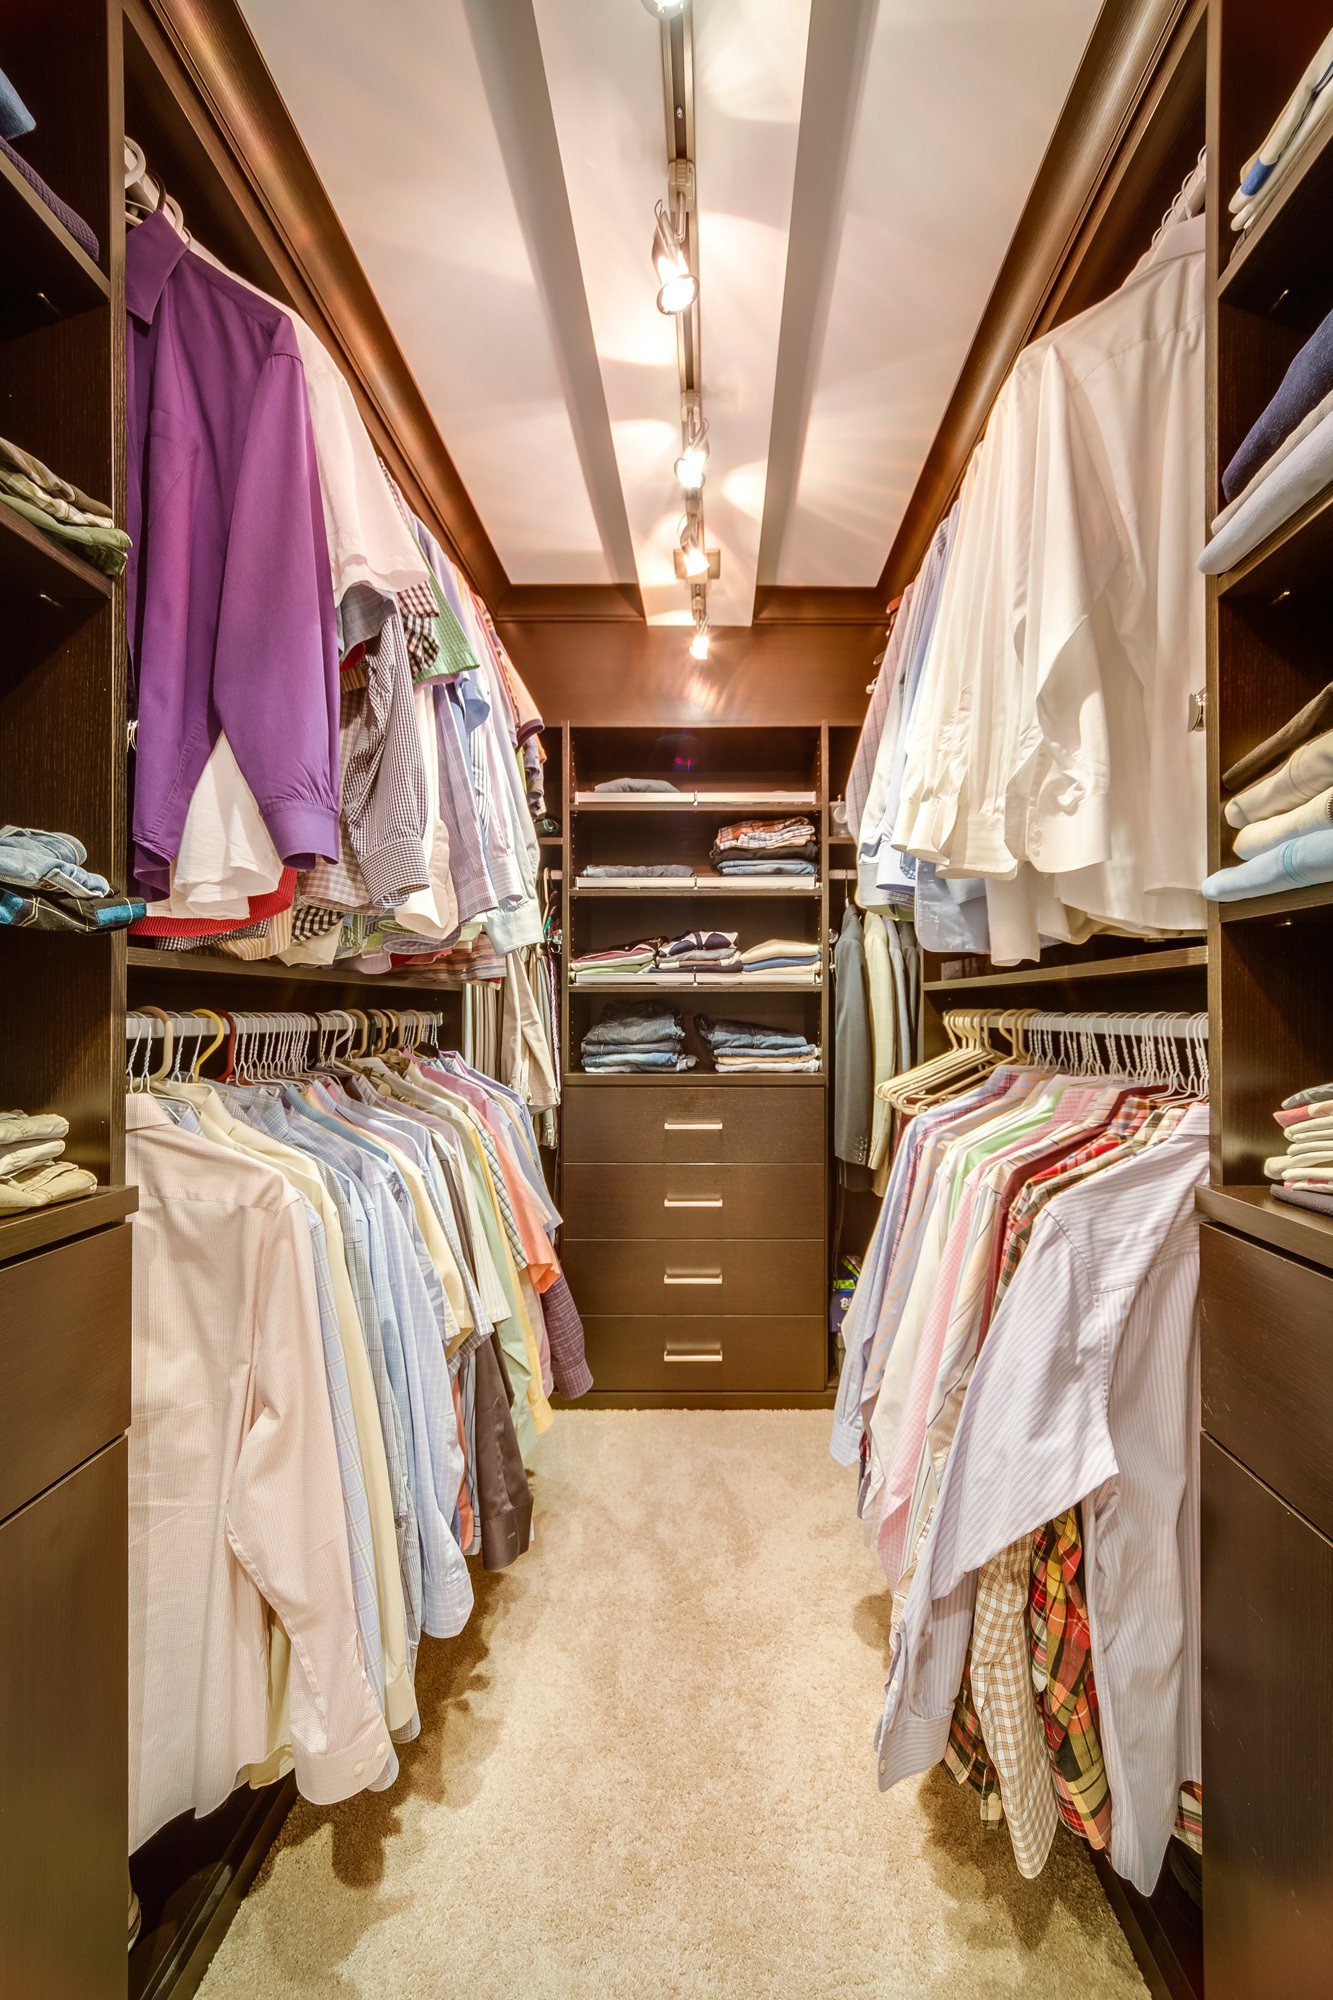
(272, 905)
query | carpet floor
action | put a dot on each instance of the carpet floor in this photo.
(645, 1771)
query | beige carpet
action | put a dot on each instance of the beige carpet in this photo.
(645, 1770)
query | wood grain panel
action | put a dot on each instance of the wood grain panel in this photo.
(688, 1122)
(746, 1279)
(64, 1731)
(640, 1201)
(1267, 1745)
(715, 1355)
(64, 1360)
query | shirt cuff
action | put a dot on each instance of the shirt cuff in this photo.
(396, 869)
(326, 1776)
(299, 828)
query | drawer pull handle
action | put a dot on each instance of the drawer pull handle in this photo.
(700, 1278)
(711, 1353)
(684, 1125)
(695, 1201)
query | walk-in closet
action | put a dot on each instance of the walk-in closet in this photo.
(666, 846)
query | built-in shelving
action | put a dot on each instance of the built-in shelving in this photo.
(1282, 266)
(1296, 556)
(38, 567)
(220, 967)
(45, 275)
(663, 890)
(1283, 906)
(28, 1229)
(1255, 1212)
(1136, 966)
(726, 1079)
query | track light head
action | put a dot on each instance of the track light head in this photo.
(699, 643)
(680, 287)
(664, 10)
(692, 462)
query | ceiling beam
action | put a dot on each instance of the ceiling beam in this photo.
(504, 34)
(835, 68)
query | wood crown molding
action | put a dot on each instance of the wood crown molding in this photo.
(817, 605)
(1125, 53)
(222, 61)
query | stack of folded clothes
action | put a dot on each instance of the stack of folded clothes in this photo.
(758, 847)
(32, 1173)
(708, 954)
(44, 887)
(60, 510)
(1283, 811)
(782, 961)
(671, 871)
(624, 961)
(1285, 459)
(638, 1035)
(748, 1045)
(1299, 121)
(1306, 1168)
(16, 121)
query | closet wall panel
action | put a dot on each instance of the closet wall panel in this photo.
(64, 1775)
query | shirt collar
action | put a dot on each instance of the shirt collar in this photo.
(152, 252)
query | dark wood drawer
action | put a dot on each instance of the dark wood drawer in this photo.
(713, 1356)
(693, 1200)
(689, 1122)
(1268, 1367)
(682, 1280)
(64, 1360)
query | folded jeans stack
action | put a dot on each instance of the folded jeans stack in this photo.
(32, 1173)
(1305, 1170)
(749, 1045)
(635, 872)
(759, 847)
(636, 1036)
(44, 886)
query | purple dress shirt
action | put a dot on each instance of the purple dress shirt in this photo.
(231, 617)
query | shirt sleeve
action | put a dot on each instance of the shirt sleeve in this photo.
(285, 1526)
(275, 677)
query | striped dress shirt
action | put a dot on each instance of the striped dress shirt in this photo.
(236, 1503)
(1086, 1389)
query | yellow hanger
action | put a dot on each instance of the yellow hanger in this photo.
(216, 1042)
(168, 1043)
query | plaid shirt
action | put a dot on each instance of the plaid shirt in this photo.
(1189, 1815)
(1033, 1196)
(966, 1755)
(1062, 1677)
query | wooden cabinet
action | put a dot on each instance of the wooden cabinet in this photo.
(1267, 1743)
(64, 1776)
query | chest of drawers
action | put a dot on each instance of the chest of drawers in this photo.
(695, 1237)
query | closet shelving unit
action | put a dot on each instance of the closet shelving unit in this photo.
(695, 1203)
(1267, 1267)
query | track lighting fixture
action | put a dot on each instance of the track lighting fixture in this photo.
(664, 10)
(699, 643)
(680, 287)
(694, 557)
(694, 456)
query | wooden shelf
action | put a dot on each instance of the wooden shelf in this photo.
(711, 1077)
(631, 802)
(1296, 556)
(714, 986)
(31, 1229)
(45, 276)
(307, 975)
(1282, 267)
(1253, 1212)
(1142, 964)
(662, 888)
(1282, 906)
(37, 573)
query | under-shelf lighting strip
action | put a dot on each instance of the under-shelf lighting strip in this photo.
(676, 261)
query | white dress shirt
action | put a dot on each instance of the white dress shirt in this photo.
(235, 1497)
(1086, 1389)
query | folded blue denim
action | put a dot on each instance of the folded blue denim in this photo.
(67, 913)
(1294, 865)
(748, 1035)
(628, 1060)
(636, 785)
(629, 1022)
(31, 858)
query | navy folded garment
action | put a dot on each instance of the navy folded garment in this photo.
(1306, 382)
(75, 224)
(751, 1035)
(634, 1023)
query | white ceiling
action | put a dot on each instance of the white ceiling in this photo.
(959, 99)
